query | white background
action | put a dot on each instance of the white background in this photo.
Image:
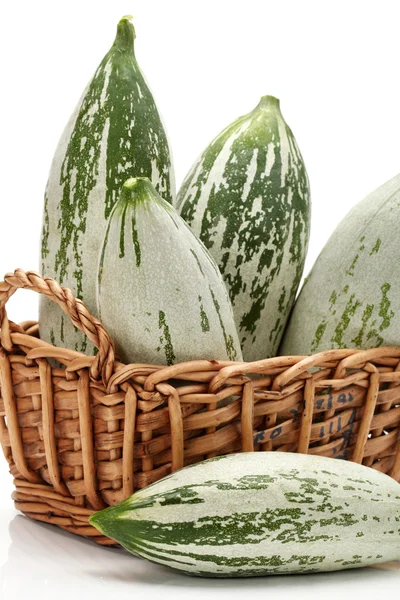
(335, 68)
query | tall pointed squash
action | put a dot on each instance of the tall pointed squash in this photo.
(247, 197)
(114, 133)
(161, 295)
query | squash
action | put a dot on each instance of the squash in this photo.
(160, 294)
(114, 133)
(352, 294)
(261, 513)
(247, 197)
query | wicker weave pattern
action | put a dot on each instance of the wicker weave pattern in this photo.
(85, 436)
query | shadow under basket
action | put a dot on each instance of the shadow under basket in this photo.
(87, 435)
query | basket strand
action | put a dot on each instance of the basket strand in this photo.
(74, 308)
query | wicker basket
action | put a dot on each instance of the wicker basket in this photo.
(85, 436)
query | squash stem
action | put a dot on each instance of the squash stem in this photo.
(268, 102)
(124, 40)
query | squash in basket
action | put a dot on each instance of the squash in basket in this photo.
(351, 298)
(114, 133)
(247, 197)
(160, 293)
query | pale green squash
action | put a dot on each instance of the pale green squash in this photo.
(351, 298)
(160, 294)
(261, 513)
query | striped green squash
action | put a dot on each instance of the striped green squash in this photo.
(351, 297)
(247, 197)
(260, 513)
(114, 133)
(160, 294)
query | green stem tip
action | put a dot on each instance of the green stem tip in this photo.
(138, 190)
(124, 40)
(126, 18)
(93, 520)
(139, 184)
(268, 102)
(106, 520)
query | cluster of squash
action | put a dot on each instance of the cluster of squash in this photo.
(213, 271)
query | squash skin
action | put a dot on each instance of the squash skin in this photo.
(247, 198)
(261, 513)
(115, 132)
(160, 294)
(351, 297)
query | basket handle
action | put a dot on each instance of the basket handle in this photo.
(74, 308)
